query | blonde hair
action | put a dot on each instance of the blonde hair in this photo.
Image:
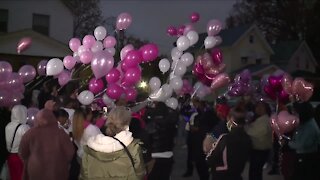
(78, 124)
(118, 119)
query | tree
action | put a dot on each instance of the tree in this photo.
(87, 16)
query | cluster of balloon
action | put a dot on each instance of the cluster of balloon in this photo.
(284, 122)
(274, 89)
(300, 89)
(241, 85)
(184, 29)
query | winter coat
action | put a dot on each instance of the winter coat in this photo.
(105, 158)
(18, 116)
(46, 150)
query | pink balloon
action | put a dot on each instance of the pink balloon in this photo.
(88, 41)
(286, 82)
(283, 96)
(27, 73)
(220, 81)
(114, 91)
(14, 81)
(24, 44)
(4, 98)
(131, 94)
(64, 77)
(214, 27)
(274, 124)
(216, 55)
(287, 122)
(206, 61)
(5, 69)
(188, 28)
(14, 98)
(302, 89)
(69, 62)
(131, 77)
(133, 58)
(194, 17)
(125, 50)
(41, 67)
(101, 64)
(74, 44)
(86, 57)
(270, 92)
(172, 31)
(181, 30)
(124, 20)
(109, 42)
(96, 85)
(275, 82)
(149, 52)
(113, 76)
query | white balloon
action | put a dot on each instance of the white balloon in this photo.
(175, 53)
(167, 91)
(187, 59)
(183, 43)
(193, 37)
(106, 100)
(209, 42)
(164, 65)
(98, 46)
(100, 33)
(180, 69)
(125, 50)
(86, 97)
(176, 83)
(172, 103)
(174, 63)
(82, 49)
(157, 95)
(54, 67)
(154, 83)
(112, 51)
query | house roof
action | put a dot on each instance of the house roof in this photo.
(284, 50)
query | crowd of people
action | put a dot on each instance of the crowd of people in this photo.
(70, 141)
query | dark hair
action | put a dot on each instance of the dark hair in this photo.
(305, 111)
(61, 113)
(239, 115)
(161, 108)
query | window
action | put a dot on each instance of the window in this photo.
(41, 23)
(251, 39)
(4, 16)
(259, 61)
(244, 60)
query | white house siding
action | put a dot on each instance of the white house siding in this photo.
(302, 57)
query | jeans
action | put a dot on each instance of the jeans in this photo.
(257, 160)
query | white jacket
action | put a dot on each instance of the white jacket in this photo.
(18, 116)
(90, 131)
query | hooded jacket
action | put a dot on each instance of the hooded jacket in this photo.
(105, 158)
(46, 150)
(18, 116)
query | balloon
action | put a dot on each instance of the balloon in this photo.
(124, 20)
(24, 44)
(287, 122)
(206, 61)
(174, 64)
(111, 51)
(5, 69)
(203, 91)
(172, 31)
(74, 44)
(172, 103)
(100, 32)
(97, 46)
(286, 83)
(106, 100)
(214, 27)
(109, 42)
(193, 37)
(131, 94)
(245, 76)
(218, 40)
(302, 89)
(187, 59)
(64, 77)
(209, 42)
(188, 28)
(114, 91)
(27, 73)
(69, 62)
(275, 82)
(4, 97)
(41, 67)
(175, 53)
(125, 50)
(154, 83)
(176, 83)
(194, 17)
(14, 98)
(283, 96)
(54, 67)
(180, 69)
(101, 64)
(157, 95)
(31, 115)
(270, 92)
(113, 76)
(183, 43)
(149, 52)
(96, 85)
(86, 57)
(274, 124)
(220, 81)
(133, 58)
(131, 77)
(216, 56)
(88, 41)
(164, 65)
(181, 30)
(215, 70)
(85, 97)
(167, 91)
(82, 49)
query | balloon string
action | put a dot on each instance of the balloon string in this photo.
(100, 93)
(39, 82)
(195, 91)
(32, 81)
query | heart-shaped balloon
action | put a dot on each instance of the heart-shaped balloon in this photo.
(287, 122)
(275, 82)
(206, 61)
(302, 89)
(287, 83)
(274, 124)
(216, 56)
(199, 72)
(219, 81)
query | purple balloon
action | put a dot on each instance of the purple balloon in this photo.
(113, 76)
(64, 77)
(244, 76)
(14, 98)
(214, 27)
(181, 30)
(194, 17)
(74, 44)
(109, 42)
(131, 77)
(114, 91)
(41, 67)
(69, 62)
(27, 73)
(172, 31)
(101, 64)
(124, 20)
(4, 98)
(149, 52)
(5, 69)
(13, 81)
(96, 85)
